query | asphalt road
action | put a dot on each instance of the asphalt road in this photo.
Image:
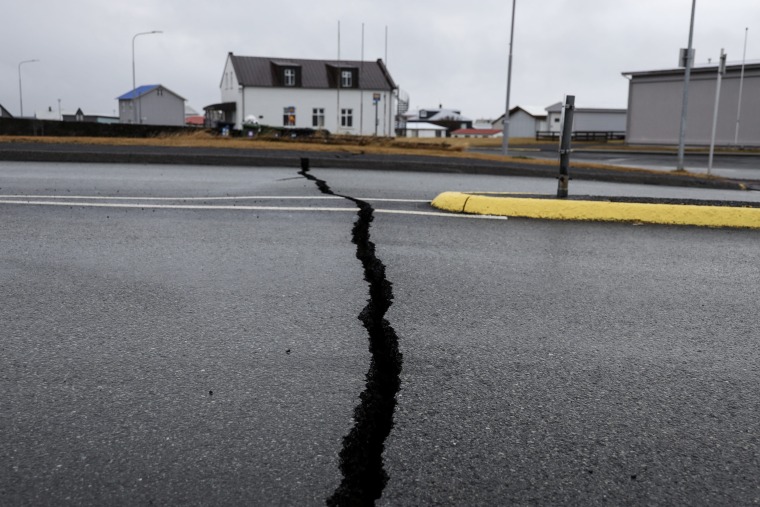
(190, 335)
(740, 166)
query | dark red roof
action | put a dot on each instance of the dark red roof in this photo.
(475, 132)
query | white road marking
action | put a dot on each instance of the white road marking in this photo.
(221, 198)
(122, 205)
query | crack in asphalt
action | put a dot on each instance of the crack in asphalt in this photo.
(361, 461)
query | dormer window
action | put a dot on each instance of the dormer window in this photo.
(289, 77)
(346, 79)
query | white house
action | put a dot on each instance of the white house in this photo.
(424, 129)
(152, 105)
(524, 121)
(346, 97)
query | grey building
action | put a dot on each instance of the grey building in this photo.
(655, 102)
(152, 105)
(588, 119)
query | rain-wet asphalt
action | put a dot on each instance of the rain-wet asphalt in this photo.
(207, 356)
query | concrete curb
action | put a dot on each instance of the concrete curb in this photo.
(544, 207)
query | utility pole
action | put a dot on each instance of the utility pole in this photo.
(741, 86)
(505, 133)
(685, 103)
(721, 72)
(20, 98)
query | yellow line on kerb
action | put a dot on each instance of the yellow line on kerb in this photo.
(560, 209)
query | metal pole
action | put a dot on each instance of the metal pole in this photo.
(505, 133)
(685, 103)
(741, 86)
(20, 99)
(721, 70)
(564, 146)
(361, 89)
(134, 86)
(339, 77)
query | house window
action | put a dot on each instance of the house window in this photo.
(346, 117)
(290, 77)
(318, 117)
(346, 79)
(289, 117)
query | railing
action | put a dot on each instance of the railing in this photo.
(583, 135)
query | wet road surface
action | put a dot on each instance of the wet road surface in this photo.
(191, 335)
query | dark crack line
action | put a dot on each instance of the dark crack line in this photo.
(361, 460)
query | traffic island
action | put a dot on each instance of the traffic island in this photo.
(604, 209)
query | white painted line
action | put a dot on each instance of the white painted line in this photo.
(438, 214)
(240, 208)
(221, 198)
(174, 206)
(120, 198)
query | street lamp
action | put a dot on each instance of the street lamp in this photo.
(20, 99)
(134, 86)
(505, 133)
(685, 102)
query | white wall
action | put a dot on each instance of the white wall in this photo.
(270, 103)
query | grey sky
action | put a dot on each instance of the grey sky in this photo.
(447, 52)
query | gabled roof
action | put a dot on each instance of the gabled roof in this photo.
(144, 90)
(4, 113)
(436, 115)
(534, 111)
(557, 108)
(260, 71)
(421, 125)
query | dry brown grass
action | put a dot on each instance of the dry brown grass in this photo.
(435, 147)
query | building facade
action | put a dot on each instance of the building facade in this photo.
(345, 97)
(588, 119)
(152, 105)
(524, 121)
(655, 103)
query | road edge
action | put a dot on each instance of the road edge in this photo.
(512, 205)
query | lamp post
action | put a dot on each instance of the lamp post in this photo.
(134, 86)
(685, 102)
(505, 133)
(20, 99)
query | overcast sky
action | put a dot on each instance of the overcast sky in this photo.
(441, 52)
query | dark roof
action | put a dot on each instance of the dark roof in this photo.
(260, 71)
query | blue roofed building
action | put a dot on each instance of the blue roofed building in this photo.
(152, 105)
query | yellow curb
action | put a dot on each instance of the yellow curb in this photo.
(560, 209)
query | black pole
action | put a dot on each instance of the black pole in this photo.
(564, 145)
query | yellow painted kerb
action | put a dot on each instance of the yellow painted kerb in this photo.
(560, 209)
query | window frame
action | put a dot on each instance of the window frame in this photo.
(347, 117)
(289, 77)
(346, 79)
(289, 116)
(318, 117)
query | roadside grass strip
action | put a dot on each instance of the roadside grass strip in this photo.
(548, 208)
